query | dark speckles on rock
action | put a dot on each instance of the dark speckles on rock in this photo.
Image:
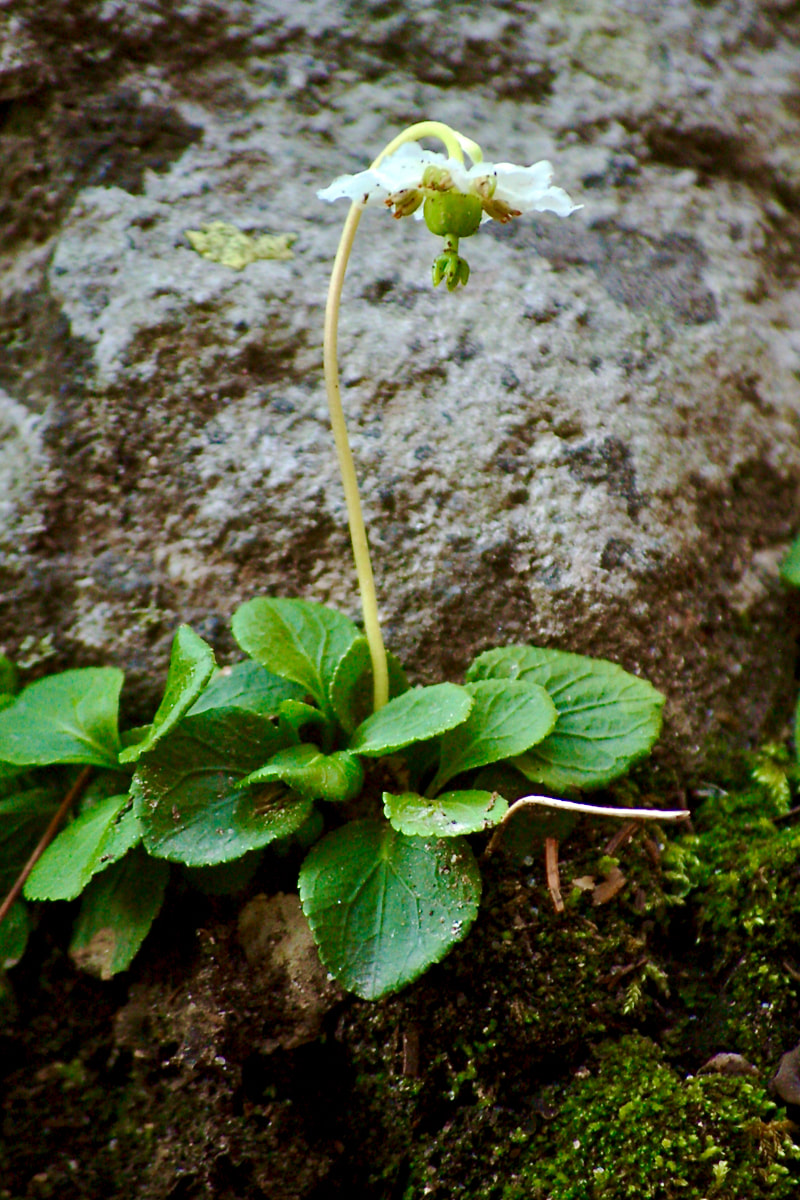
(615, 554)
(467, 348)
(377, 290)
(662, 276)
(609, 463)
(105, 140)
(120, 575)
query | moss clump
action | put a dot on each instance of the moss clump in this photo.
(632, 1127)
(746, 906)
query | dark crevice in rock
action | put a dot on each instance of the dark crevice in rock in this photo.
(39, 357)
(715, 153)
(54, 146)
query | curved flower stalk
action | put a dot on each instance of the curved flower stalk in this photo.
(454, 200)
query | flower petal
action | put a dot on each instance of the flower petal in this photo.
(525, 188)
(516, 189)
(399, 171)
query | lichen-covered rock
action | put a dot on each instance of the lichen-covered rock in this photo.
(595, 445)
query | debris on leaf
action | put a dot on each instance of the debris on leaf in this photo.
(223, 243)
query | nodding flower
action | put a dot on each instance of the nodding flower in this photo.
(453, 199)
(411, 175)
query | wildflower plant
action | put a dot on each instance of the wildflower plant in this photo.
(315, 739)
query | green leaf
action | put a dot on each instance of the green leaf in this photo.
(246, 685)
(295, 715)
(607, 718)
(135, 735)
(312, 774)
(66, 718)
(14, 932)
(384, 907)
(187, 796)
(24, 817)
(91, 843)
(790, 567)
(296, 639)
(117, 911)
(190, 666)
(352, 689)
(420, 762)
(449, 815)
(417, 715)
(9, 676)
(507, 718)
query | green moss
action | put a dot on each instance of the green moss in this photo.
(747, 909)
(631, 1126)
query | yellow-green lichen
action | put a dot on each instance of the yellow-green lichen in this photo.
(223, 243)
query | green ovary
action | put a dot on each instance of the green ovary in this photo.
(453, 213)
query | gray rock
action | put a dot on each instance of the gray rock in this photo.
(594, 446)
(786, 1082)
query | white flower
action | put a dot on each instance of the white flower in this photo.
(410, 175)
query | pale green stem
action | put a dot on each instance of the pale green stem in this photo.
(591, 810)
(358, 533)
(453, 143)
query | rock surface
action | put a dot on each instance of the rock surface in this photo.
(595, 446)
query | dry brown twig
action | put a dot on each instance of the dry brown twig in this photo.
(74, 794)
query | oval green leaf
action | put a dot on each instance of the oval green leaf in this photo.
(14, 930)
(246, 685)
(449, 815)
(313, 775)
(383, 907)
(419, 714)
(507, 717)
(187, 796)
(295, 716)
(93, 841)
(191, 665)
(352, 689)
(9, 677)
(296, 639)
(607, 718)
(24, 816)
(790, 567)
(65, 718)
(116, 913)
